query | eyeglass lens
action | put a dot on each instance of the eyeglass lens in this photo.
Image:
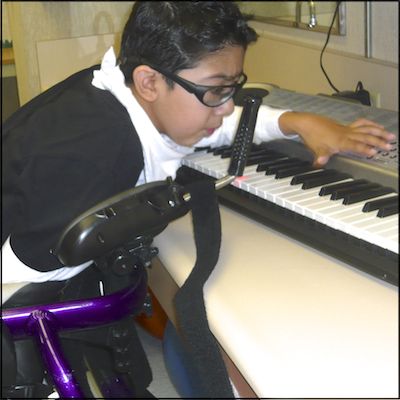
(218, 95)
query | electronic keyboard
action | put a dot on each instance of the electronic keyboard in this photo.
(348, 209)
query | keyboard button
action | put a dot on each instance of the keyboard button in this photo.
(332, 188)
(366, 194)
(388, 210)
(376, 204)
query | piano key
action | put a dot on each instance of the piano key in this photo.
(226, 153)
(263, 189)
(196, 157)
(258, 180)
(366, 194)
(316, 210)
(249, 175)
(262, 158)
(394, 236)
(253, 152)
(375, 224)
(332, 213)
(322, 207)
(363, 228)
(273, 160)
(339, 216)
(388, 210)
(323, 180)
(392, 233)
(275, 193)
(294, 198)
(312, 175)
(276, 189)
(245, 182)
(331, 188)
(337, 206)
(383, 238)
(345, 221)
(213, 169)
(321, 211)
(376, 204)
(341, 193)
(291, 171)
(218, 150)
(284, 164)
(216, 168)
(317, 202)
(386, 227)
(259, 151)
(300, 200)
(198, 149)
(348, 216)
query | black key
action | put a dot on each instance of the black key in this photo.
(303, 177)
(253, 152)
(312, 183)
(325, 190)
(341, 193)
(266, 153)
(291, 171)
(273, 169)
(257, 152)
(375, 204)
(218, 150)
(226, 153)
(260, 159)
(274, 159)
(366, 194)
(208, 148)
(388, 210)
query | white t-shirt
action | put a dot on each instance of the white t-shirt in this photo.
(162, 157)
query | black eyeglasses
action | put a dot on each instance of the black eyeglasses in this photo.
(211, 96)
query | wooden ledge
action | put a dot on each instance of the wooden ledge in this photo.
(7, 56)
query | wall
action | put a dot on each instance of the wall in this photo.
(290, 57)
(33, 22)
(285, 56)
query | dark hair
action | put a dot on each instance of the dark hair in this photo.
(176, 35)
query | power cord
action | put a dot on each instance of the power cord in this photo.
(326, 44)
(360, 94)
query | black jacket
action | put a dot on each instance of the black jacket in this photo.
(63, 152)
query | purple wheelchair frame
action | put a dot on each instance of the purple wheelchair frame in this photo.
(45, 321)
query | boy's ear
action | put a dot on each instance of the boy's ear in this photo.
(145, 82)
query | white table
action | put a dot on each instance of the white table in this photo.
(294, 321)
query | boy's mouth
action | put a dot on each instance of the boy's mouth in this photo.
(210, 131)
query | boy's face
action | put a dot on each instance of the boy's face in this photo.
(180, 115)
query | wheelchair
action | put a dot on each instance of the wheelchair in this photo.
(77, 338)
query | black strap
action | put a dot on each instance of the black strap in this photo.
(192, 321)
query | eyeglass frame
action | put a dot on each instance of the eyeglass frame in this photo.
(200, 90)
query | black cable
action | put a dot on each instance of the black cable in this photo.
(326, 43)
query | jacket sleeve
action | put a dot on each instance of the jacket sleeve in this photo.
(56, 166)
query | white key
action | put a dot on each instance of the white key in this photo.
(244, 182)
(217, 170)
(263, 190)
(378, 224)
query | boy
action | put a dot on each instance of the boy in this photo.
(105, 130)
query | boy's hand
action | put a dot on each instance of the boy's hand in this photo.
(325, 137)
